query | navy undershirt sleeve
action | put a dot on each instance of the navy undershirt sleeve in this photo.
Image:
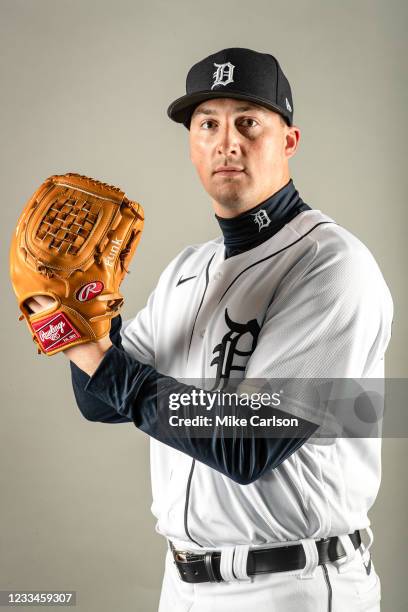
(91, 407)
(138, 392)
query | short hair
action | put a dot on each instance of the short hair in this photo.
(283, 120)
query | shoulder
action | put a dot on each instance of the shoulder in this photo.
(334, 245)
(189, 261)
(196, 251)
(342, 263)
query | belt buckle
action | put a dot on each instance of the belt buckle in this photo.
(184, 556)
(181, 557)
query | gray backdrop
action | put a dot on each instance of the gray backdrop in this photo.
(85, 86)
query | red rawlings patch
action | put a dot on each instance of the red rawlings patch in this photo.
(54, 331)
(89, 291)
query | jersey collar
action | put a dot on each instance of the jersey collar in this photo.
(260, 223)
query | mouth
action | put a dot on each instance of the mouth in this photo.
(229, 171)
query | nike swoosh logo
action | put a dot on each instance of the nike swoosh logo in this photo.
(182, 280)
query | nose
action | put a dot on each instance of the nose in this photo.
(228, 142)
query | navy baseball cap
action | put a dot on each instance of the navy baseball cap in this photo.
(237, 73)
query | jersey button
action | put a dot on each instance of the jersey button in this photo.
(202, 333)
(217, 276)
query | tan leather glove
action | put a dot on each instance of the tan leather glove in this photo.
(73, 242)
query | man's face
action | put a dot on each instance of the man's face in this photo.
(251, 143)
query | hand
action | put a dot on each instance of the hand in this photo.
(39, 303)
(86, 356)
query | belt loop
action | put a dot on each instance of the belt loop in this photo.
(240, 562)
(343, 563)
(226, 562)
(312, 559)
(365, 550)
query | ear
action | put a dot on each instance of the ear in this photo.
(292, 138)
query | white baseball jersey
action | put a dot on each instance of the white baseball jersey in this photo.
(309, 302)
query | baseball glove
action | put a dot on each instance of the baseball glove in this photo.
(73, 242)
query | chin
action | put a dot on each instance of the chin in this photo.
(225, 195)
(230, 195)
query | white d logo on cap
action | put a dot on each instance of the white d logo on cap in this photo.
(223, 74)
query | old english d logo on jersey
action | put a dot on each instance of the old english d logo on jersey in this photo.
(229, 354)
(223, 75)
(261, 219)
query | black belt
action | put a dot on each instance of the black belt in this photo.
(205, 567)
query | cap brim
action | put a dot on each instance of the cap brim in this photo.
(181, 109)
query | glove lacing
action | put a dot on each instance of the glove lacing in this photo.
(49, 272)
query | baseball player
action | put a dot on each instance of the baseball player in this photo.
(284, 292)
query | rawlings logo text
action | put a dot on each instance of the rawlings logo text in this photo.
(53, 333)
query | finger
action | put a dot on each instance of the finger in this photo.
(32, 305)
(45, 301)
(39, 303)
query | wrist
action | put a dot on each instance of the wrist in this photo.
(88, 356)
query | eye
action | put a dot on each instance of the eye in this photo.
(208, 124)
(249, 122)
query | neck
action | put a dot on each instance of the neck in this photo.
(259, 223)
(232, 209)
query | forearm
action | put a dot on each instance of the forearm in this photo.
(92, 408)
(141, 394)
